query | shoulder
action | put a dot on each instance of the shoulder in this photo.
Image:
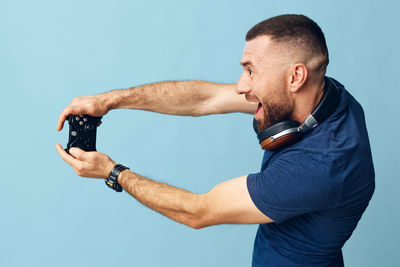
(300, 169)
(295, 182)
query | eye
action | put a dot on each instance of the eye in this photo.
(250, 72)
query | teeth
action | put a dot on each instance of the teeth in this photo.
(254, 103)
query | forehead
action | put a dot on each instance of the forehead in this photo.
(255, 50)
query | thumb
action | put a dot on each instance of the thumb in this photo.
(77, 153)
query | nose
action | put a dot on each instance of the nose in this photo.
(242, 85)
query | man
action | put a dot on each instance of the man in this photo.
(308, 196)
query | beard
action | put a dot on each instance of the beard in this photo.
(277, 107)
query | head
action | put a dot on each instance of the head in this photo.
(283, 58)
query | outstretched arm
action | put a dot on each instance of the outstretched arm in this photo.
(228, 202)
(190, 98)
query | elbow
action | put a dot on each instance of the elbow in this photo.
(200, 110)
(198, 224)
(202, 215)
(196, 114)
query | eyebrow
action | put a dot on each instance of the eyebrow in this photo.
(246, 63)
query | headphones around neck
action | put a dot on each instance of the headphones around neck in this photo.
(288, 132)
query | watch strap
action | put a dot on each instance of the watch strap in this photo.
(112, 180)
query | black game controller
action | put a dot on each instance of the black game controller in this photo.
(82, 132)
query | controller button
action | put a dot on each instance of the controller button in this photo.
(77, 118)
(85, 119)
(81, 123)
(73, 133)
(90, 127)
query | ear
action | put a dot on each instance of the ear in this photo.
(298, 76)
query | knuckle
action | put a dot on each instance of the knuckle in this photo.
(79, 168)
(92, 106)
(71, 109)
(65, 111)
(90, 157)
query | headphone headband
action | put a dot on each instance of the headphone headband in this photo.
(326, 106)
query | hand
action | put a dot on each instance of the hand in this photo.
(87, 164)
(94, 105)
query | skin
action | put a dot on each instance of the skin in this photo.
(288, 82)
(284, 80)
(188, 98)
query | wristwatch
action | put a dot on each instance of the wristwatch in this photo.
(112, 180)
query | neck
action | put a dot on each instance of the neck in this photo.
(307, 99)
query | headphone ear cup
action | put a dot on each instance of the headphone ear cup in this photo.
(283, 141)
(278, 135)
(255, 125)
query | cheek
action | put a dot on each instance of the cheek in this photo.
(260, 86)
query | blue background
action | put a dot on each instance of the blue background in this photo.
(52, 51)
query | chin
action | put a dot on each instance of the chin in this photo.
(261, 125)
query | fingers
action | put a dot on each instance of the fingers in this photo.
(78, 153)
(75, 163)
(69, 110)
(82, 105)
(64, 114)
(87, 164)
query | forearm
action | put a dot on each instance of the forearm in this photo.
(190, 98)
(178, 204)
(228, 202)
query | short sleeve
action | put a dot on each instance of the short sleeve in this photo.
(295, 184)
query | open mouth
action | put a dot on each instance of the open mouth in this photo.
(258, 108)
(259, 115)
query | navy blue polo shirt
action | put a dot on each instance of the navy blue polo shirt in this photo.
(315, 191)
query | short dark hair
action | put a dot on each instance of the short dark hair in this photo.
(296, 30)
